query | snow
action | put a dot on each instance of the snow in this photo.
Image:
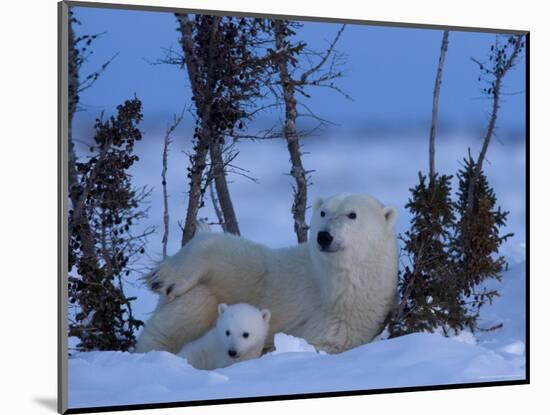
(294, 367)
(465, 336)
(422, 359)
(385, 166)
(285, 343)
(352, 164)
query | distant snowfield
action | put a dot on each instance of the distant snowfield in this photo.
(118, 378)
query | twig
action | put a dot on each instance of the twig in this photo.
(329, 51)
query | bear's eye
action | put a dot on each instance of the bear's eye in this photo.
(245, 335)
(227, 333)
(322, 213)
(352, 215)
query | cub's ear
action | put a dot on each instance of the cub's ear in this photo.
(317, 203)
(221, 308)
(266, 315)
(390, 214)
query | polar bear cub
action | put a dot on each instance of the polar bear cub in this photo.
(239, 334)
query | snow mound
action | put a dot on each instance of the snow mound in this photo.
(118, 378)
(465, 336)
(285, 343)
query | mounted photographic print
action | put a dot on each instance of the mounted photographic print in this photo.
(259, 207)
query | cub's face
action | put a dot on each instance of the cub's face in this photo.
(346, 222)
(241, 327)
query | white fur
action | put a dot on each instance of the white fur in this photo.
(334, 300)
(240, 328)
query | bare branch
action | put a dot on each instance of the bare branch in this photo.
(502, 64)
(323, 60)
(222, 190)
(91, 79)
(203, 136)
(166, 216)
(216, 206)
(435, 104)
(297, 170)
(311, 114)
(335, 88)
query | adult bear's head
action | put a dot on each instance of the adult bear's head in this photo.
(350, 225)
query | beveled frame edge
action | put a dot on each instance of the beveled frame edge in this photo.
(62, 192)
(62, 373)
(174, 9)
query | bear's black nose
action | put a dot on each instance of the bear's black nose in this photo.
(232, 353)
(324, 239)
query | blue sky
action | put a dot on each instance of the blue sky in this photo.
(389, 72)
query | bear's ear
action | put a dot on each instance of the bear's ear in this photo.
(266, 315)
(390, 214)
(317, 203)
(221, 308)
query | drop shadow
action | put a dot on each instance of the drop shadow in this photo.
(48, 403)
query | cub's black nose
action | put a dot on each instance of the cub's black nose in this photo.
(232, 353)
(324, 239)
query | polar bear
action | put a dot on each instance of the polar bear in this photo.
(239, 334)
(334, 291)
